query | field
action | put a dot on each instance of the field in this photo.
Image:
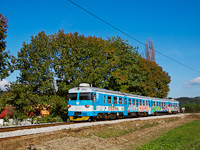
(170, 133)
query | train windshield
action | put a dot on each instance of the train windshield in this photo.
(73, 96)
(85, 96)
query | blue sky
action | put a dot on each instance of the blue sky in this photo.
(173, 25)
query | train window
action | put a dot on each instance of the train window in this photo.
(137, 102)
(94, 98)
(133, 101)
(109, 99)
(120, 100)
(73, 96)
(140, 102)
(105, 99)
(125, 101)
(154, 103)
(147, 103)
(144, 102)
(129, 101)
(115, 100)
(85, 96)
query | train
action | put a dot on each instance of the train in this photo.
(87, 103)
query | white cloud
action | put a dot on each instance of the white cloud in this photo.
(3, 83)
(195, 81)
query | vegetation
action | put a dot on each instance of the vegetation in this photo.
(192, 105)
(6, 67)
(183, 137)
(52, 64)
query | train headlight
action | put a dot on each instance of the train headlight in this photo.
(69, 106)
(87, 106)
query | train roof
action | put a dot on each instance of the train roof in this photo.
(94, 89)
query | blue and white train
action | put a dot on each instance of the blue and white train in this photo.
(90, 103)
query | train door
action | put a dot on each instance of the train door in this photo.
(94, 101)
(126, 100)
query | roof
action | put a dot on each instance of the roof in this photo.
(92, 89)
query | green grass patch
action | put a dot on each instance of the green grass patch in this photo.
(186, 137)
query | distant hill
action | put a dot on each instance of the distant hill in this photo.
(187, 100)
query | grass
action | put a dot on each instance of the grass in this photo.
(115, 130)
(186, 137)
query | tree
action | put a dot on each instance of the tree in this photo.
(5, 59)
(35, 88)
(122, 60)
(150, 51)
(154, 81)
(79, 59)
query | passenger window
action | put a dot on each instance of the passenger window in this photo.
(115, 100)
(129, 101)
(133, 101)
(120, 100)
(144, 102)
(125, 101)
(104, 99)
(109, 99)
(137, 102)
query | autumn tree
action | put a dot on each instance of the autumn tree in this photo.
(6, 67)
(154, 82)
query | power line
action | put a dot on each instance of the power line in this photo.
(132, 37)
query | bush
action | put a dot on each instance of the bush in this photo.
(191, 108)
(50, 119)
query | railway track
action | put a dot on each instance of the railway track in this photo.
(14, 128)
(11, 132)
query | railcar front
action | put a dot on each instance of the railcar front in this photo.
(81, 104)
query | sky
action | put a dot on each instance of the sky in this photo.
(173, 25)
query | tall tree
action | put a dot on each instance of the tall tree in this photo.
(5, 59)
(150, 51)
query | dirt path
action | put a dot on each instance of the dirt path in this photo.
(125, 135)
